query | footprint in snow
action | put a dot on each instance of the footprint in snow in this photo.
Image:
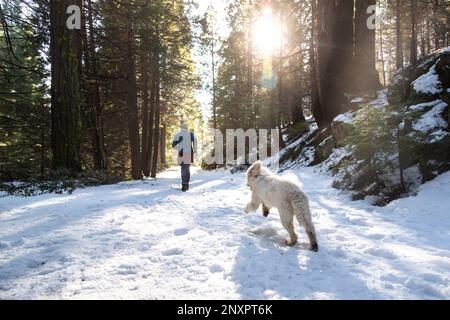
(181, 232)
(383, 253)
(215, 268)
(172, 252)
(328, 231)
(33, 264)
(430, 277)
(4, 244)
(126, 270)
(19, 242)
(418, 285)
(358, 222)
(232, 244)
(267, 232)
(340, 238)
(376, 236)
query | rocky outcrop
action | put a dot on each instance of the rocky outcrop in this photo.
(412, 115)
(401, 88)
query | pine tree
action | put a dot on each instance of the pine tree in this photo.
(65, 93)
(24, 107)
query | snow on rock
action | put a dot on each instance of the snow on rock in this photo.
(423, 106)
(382, 99)
(150, 241)
(336, 157)
(358, 100)
(429, 82)
(344, 118)
(306, 156)
(431, 120)
(312, 128)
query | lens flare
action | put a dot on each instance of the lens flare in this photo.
(267, 34)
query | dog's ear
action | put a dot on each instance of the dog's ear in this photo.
(255, 169)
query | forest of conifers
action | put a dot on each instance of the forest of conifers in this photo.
(108, 96)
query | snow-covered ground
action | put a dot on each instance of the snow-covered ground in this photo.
(150, 241)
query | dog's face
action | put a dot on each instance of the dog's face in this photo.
(253, 172)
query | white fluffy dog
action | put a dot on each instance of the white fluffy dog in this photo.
(286, 196)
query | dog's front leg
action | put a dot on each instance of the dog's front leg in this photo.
(266, 210)
(253, 205)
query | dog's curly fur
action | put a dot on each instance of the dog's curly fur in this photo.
(286, 196)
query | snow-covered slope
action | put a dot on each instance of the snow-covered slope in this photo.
(383, 148)
(150, 241)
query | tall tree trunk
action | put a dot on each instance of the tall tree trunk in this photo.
(428, 37)
(250, 78)
(280, 90)
(316, 107)
(399, 34)
(95, 108)
(295, 107)
(43, 146)
(413, 44)
(447, 43)
(335, 30)
(65, 88)
(146, 143)
(367, 77)
(436, 24)
(343, 44)
(151, 120)
(157, 129)
(213, 67)
(162, 146)
(326, 17)
(148, 157)
(421, 37)
(273, 107)
(133, 120)
(383, 62)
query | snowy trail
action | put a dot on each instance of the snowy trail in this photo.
(149, 241)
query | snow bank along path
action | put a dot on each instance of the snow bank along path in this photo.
(150, 241)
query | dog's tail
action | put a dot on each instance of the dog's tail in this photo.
(303, 214)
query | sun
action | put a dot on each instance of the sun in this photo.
(267, 34)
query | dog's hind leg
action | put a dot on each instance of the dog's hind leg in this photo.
(311, 232)
(287, 220)
(303, 215)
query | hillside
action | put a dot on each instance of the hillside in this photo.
(387, 147)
